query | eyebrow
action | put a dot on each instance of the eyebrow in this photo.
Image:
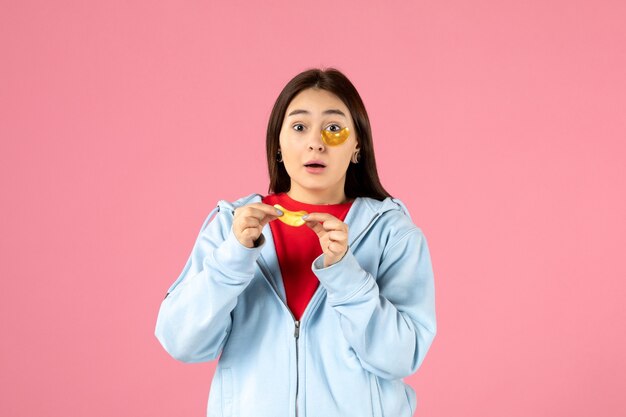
(329, 111)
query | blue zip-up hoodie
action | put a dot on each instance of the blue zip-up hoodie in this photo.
(369, 324)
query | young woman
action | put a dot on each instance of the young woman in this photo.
(316, 316)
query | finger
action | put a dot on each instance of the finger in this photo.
(338, 236)
(270, 210)
(329, 221)
(251, 233)
(317, 228)
(335, 248)
(246, 222)
(317, 221)
(335, 224)
(262, 212)
(320, 217)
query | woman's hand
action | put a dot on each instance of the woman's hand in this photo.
(332, 233)
(249, 221)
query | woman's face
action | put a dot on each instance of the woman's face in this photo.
(310, 112)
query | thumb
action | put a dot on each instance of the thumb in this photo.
(316, 227)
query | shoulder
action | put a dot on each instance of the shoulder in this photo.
(222, 213)
(231, 205)
(393, 213)
(394, 222)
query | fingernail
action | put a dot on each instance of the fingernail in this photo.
(280, 212)
(306, 216)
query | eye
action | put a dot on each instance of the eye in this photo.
(298, 127)
(334, 127)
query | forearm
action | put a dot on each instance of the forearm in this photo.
(389, 322)
(194, 319)
(388, 342)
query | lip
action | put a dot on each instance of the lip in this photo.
(315, 161)
(315, 170)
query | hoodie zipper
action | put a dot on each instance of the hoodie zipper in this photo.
(296, 323)
(297, 335)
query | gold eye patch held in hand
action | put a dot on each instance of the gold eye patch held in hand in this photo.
(335, 138)
(292, 218)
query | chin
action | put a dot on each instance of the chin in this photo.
(314, 185)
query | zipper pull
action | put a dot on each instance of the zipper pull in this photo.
(296, 333)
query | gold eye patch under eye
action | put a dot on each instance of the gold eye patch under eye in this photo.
(292, 218)
(335, 138)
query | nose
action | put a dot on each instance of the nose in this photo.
(316, 143)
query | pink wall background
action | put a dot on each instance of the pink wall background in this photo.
(501, 124)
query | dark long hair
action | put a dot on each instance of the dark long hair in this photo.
(362, 178)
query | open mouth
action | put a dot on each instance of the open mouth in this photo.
(315, 164)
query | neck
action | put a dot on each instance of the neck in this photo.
(318, 197)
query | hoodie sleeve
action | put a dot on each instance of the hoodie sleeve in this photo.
(389, 320)
(194, 318)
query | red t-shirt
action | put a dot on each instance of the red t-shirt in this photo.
(297, 248)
